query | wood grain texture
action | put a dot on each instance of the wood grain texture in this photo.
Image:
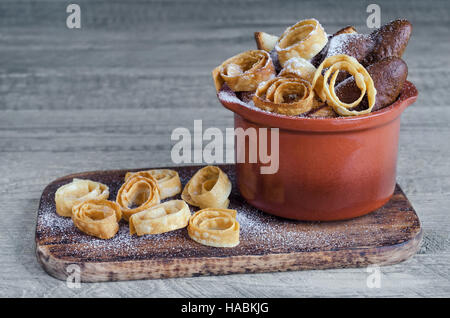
(267, 244)
(103, 97)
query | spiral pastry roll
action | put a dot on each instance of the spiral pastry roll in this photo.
(285, 95)
(137, 194)
(214, 227)
(324, 85)
(168, 181)
(304, 39)
(97, 217)
(208, 188)
(77, 191)
(161, 218)
(243, 72)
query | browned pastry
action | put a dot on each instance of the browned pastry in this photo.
(208, 188)
(304, 39)
(316, 60)
(353, 44)
(290, 95)
(265, 41)
(323, 111)
(137, 194)
(245, 71)
(214, 227)
(324, 84)
(342, 55)
(168, 180)
(97, 217)
(389, 40)
(388, 76)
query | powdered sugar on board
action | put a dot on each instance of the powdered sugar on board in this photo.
(260, 233)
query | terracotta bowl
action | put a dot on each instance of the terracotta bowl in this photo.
(329, 168)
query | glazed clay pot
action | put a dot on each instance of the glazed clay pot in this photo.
(329, 168)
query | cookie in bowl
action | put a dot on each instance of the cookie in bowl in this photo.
(305, 56)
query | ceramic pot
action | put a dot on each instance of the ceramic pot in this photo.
(329, 168)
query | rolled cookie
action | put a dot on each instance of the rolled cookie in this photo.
(388, 76)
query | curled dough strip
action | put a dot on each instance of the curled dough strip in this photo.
(208, 188)
(77, 191)
(304, 39)
(285, 95)
(265, 41)
(168, 181)
(142, 192)
(97, 217)
(325, 88)
(214, 227)
(243, 72)
(161, 218)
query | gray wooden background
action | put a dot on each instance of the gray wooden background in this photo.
(109, 95)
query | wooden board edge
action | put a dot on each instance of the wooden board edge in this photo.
(182, 267)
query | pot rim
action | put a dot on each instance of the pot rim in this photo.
(407, 97)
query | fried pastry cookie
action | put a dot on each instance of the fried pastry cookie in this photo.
(214, 227)
(161, 218)
(324, 85)
(168, 180)
(77, 191)
(208, 188)
(389, 40)
(137, 194)
(316, 60)
(353, 44)
(289, 95)
(299, 67)
(388, 75)
(243, 72)
(97, 217)
(304, 39)
(265, 41)
(323, 111)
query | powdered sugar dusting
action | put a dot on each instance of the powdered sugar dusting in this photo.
(225, 96)
(340, 44)
(228, 96)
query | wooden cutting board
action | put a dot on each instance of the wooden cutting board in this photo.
(267, 243)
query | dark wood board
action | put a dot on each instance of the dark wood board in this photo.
(267, 243)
